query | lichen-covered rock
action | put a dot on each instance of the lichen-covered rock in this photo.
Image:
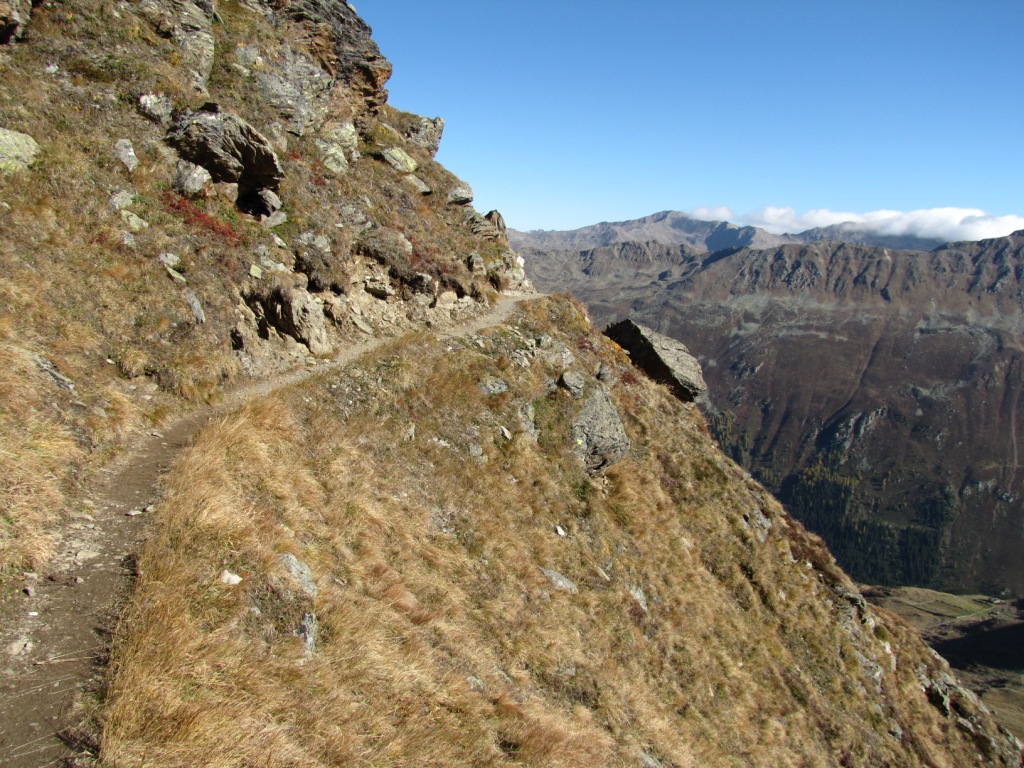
(14, 18)
(662, 358)
(231, 150)
(598, 432)
(462, 194)
(17, 151)
(399, 159)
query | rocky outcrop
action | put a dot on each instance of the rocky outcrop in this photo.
(598, 433)
(341, 44)
(662, 358)
(291, 310)
(17, 151)
(14, 17)
(231, 150)
(190, 24)
(426, 133)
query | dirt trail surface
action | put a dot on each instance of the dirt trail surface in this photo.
(54, 643)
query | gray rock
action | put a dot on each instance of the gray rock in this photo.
(308, 630)
(135, 223)
(171, 260)
(662, 358)
(475, 264)
(231, 150)
(480, 225)
(461, 195)
(598, 433)
(379, 286)
(197, 309)
(493, 387)
(193, 31)
(17, 151)
(528, 421)
(276, 219)
(269, 200)
(426, 133)
(400, 160)
(758, 522)
(362, 325)
(299, 571)
(496, 220)
(560, 581)
(14, 18)
(338, 145)
(121, 199)
(291, 310)
(191, 180)
(574, 383)
(416, 184)
(295, 87)
(125, 152)
(156, 107)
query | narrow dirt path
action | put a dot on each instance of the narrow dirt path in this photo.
(57, 647)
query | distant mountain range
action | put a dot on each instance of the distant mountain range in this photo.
(874, 389)
(676, 228)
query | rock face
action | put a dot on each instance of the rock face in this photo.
(598, 432)
(340, 42)
(17, 151)
(14, 18)
(426, 133)
(231, 150)
(293, 311)
(661, 357)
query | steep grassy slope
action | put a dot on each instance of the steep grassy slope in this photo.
(702, 626)
(874, 390)
(99, 337)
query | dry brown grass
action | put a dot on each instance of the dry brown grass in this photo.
(441, 641)
(35, 454)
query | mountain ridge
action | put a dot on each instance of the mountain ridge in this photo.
(677, 228)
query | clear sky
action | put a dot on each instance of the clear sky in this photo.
(782, 113)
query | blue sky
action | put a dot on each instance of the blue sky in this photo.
(785, 114)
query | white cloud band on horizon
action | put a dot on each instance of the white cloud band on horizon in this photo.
(948, 224)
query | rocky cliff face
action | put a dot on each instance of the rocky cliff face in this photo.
(873, 389)
(460, 531)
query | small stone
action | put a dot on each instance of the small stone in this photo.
(125, 152)
(85, 555)
(171, 260)
(400, 160)
(156, 107)
(230, 579)
(416, 184)
(29, 591)
(461, 195)
(256, 271)
(135, 223)
(51, 69)
(361, 324)
(191, 180)
(79, 580)
(197, 308)
(493, 387)
(17, 151)
(276, 219)
(574, 383)
(121, 200)
(476, 684)
(505, 432)
(149, 508)
(133, 513)
(560, 581)
(561, 531)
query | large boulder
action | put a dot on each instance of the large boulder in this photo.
(293, 311)
(14, 16)
(231, 150)
(662, 358)
(598, 432)
(426, 133)
(17, 151)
